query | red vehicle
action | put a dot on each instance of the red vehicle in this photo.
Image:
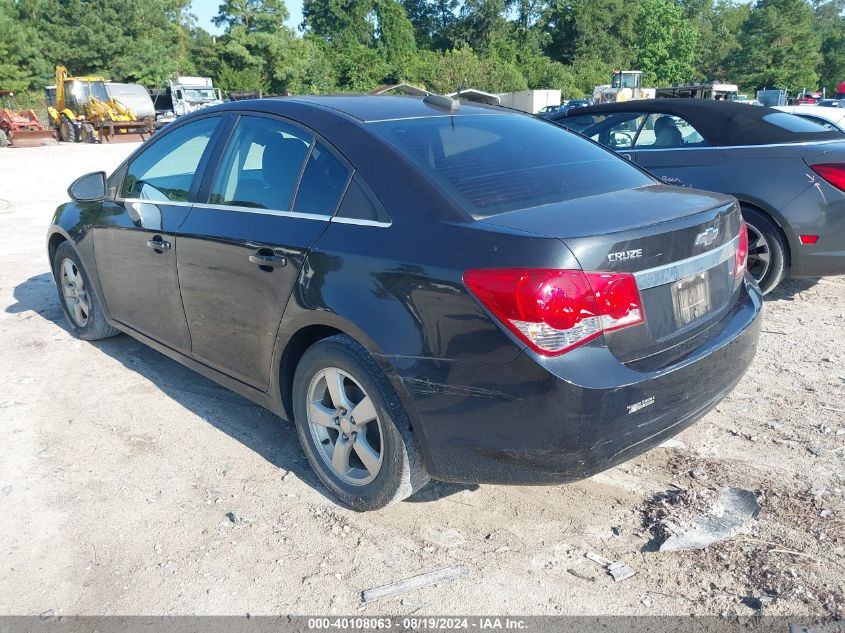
(21, 128)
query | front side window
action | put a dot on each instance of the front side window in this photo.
(666, 131)
(165, 170)
(261, 165)
(620, 131)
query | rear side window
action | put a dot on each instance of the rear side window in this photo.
(792, 123)
(261, 165)
(322, 183)
(500, 163)
(163, 172)
(359, 203)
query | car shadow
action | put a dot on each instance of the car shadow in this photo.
(789, 288)
(263, 432)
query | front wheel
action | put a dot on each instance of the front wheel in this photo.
(353, 428)
(767, 250)
(79, 302)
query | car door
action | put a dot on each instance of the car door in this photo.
(674, 151)
(134, 247)
(240, 252)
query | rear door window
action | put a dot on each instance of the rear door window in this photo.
(666, 131)
(323, 182)
(500, 163)
(261, 165)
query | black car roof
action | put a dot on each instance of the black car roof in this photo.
(719, 122)
(370, 108)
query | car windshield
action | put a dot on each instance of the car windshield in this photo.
(83, 91)
(500, 163)
(200, 94)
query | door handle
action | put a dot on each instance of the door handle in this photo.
(270, 261)
(158, 244)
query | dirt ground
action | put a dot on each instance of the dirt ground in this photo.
(118, 467)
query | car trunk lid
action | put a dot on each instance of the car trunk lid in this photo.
(680, 244)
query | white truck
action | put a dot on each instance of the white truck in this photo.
(184, 95)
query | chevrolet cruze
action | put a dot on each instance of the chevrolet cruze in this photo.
(426, 289)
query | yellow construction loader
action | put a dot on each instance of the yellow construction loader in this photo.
(81, 110)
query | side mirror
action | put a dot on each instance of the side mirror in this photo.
(88, 188)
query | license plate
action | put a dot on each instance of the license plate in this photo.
(691, 298)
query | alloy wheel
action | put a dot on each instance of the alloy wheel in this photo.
(345, 426)
(74, 293)
(759, 254)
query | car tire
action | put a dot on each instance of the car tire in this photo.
(379, 461)
(78, 300)
(767, 250)
(5, 138)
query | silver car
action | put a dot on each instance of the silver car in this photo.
(788, 173)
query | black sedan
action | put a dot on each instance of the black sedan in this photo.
(788, 173)
(467, 294)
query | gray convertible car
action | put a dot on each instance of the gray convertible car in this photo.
(788, 173)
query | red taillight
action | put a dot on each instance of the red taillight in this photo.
(741, 258)
(808, 239)
(554, 311)
(834, 173)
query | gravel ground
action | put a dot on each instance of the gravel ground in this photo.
(119, 466)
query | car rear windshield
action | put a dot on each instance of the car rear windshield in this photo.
(500, 163)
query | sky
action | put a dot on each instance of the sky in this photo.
(207, 9)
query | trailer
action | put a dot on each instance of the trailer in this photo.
(711, 90)
(531, 101)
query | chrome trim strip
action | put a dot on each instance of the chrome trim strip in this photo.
(278, 212)
(720, 147)
(175, 203)
(675, 271)
(341, 220)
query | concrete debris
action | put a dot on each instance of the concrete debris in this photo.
(415, 582)
(673, 443)
(816, 450)
(733, 508)
(234, 518)
(825, 513)
(617, 569)
(699, 474)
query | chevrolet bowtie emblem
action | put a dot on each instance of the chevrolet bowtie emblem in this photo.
(706, 238)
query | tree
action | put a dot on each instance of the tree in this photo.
(720, 27)
(254, 16)
(831, 25)
(590, 29)
(780, 46)
(339, 21)
(395, 38)
(665, 42)
(433, 21)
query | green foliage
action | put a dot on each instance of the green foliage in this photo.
(665, 43)
(493, 45)
(781, 47)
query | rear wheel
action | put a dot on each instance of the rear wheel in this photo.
(79, 302)
(86, 133)
(767, 250)
(5, 140)
(353, 428)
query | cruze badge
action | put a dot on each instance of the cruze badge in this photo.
(622, 256)
(706, 238)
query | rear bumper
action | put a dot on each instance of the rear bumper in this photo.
(818, 211)
(536, 420)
